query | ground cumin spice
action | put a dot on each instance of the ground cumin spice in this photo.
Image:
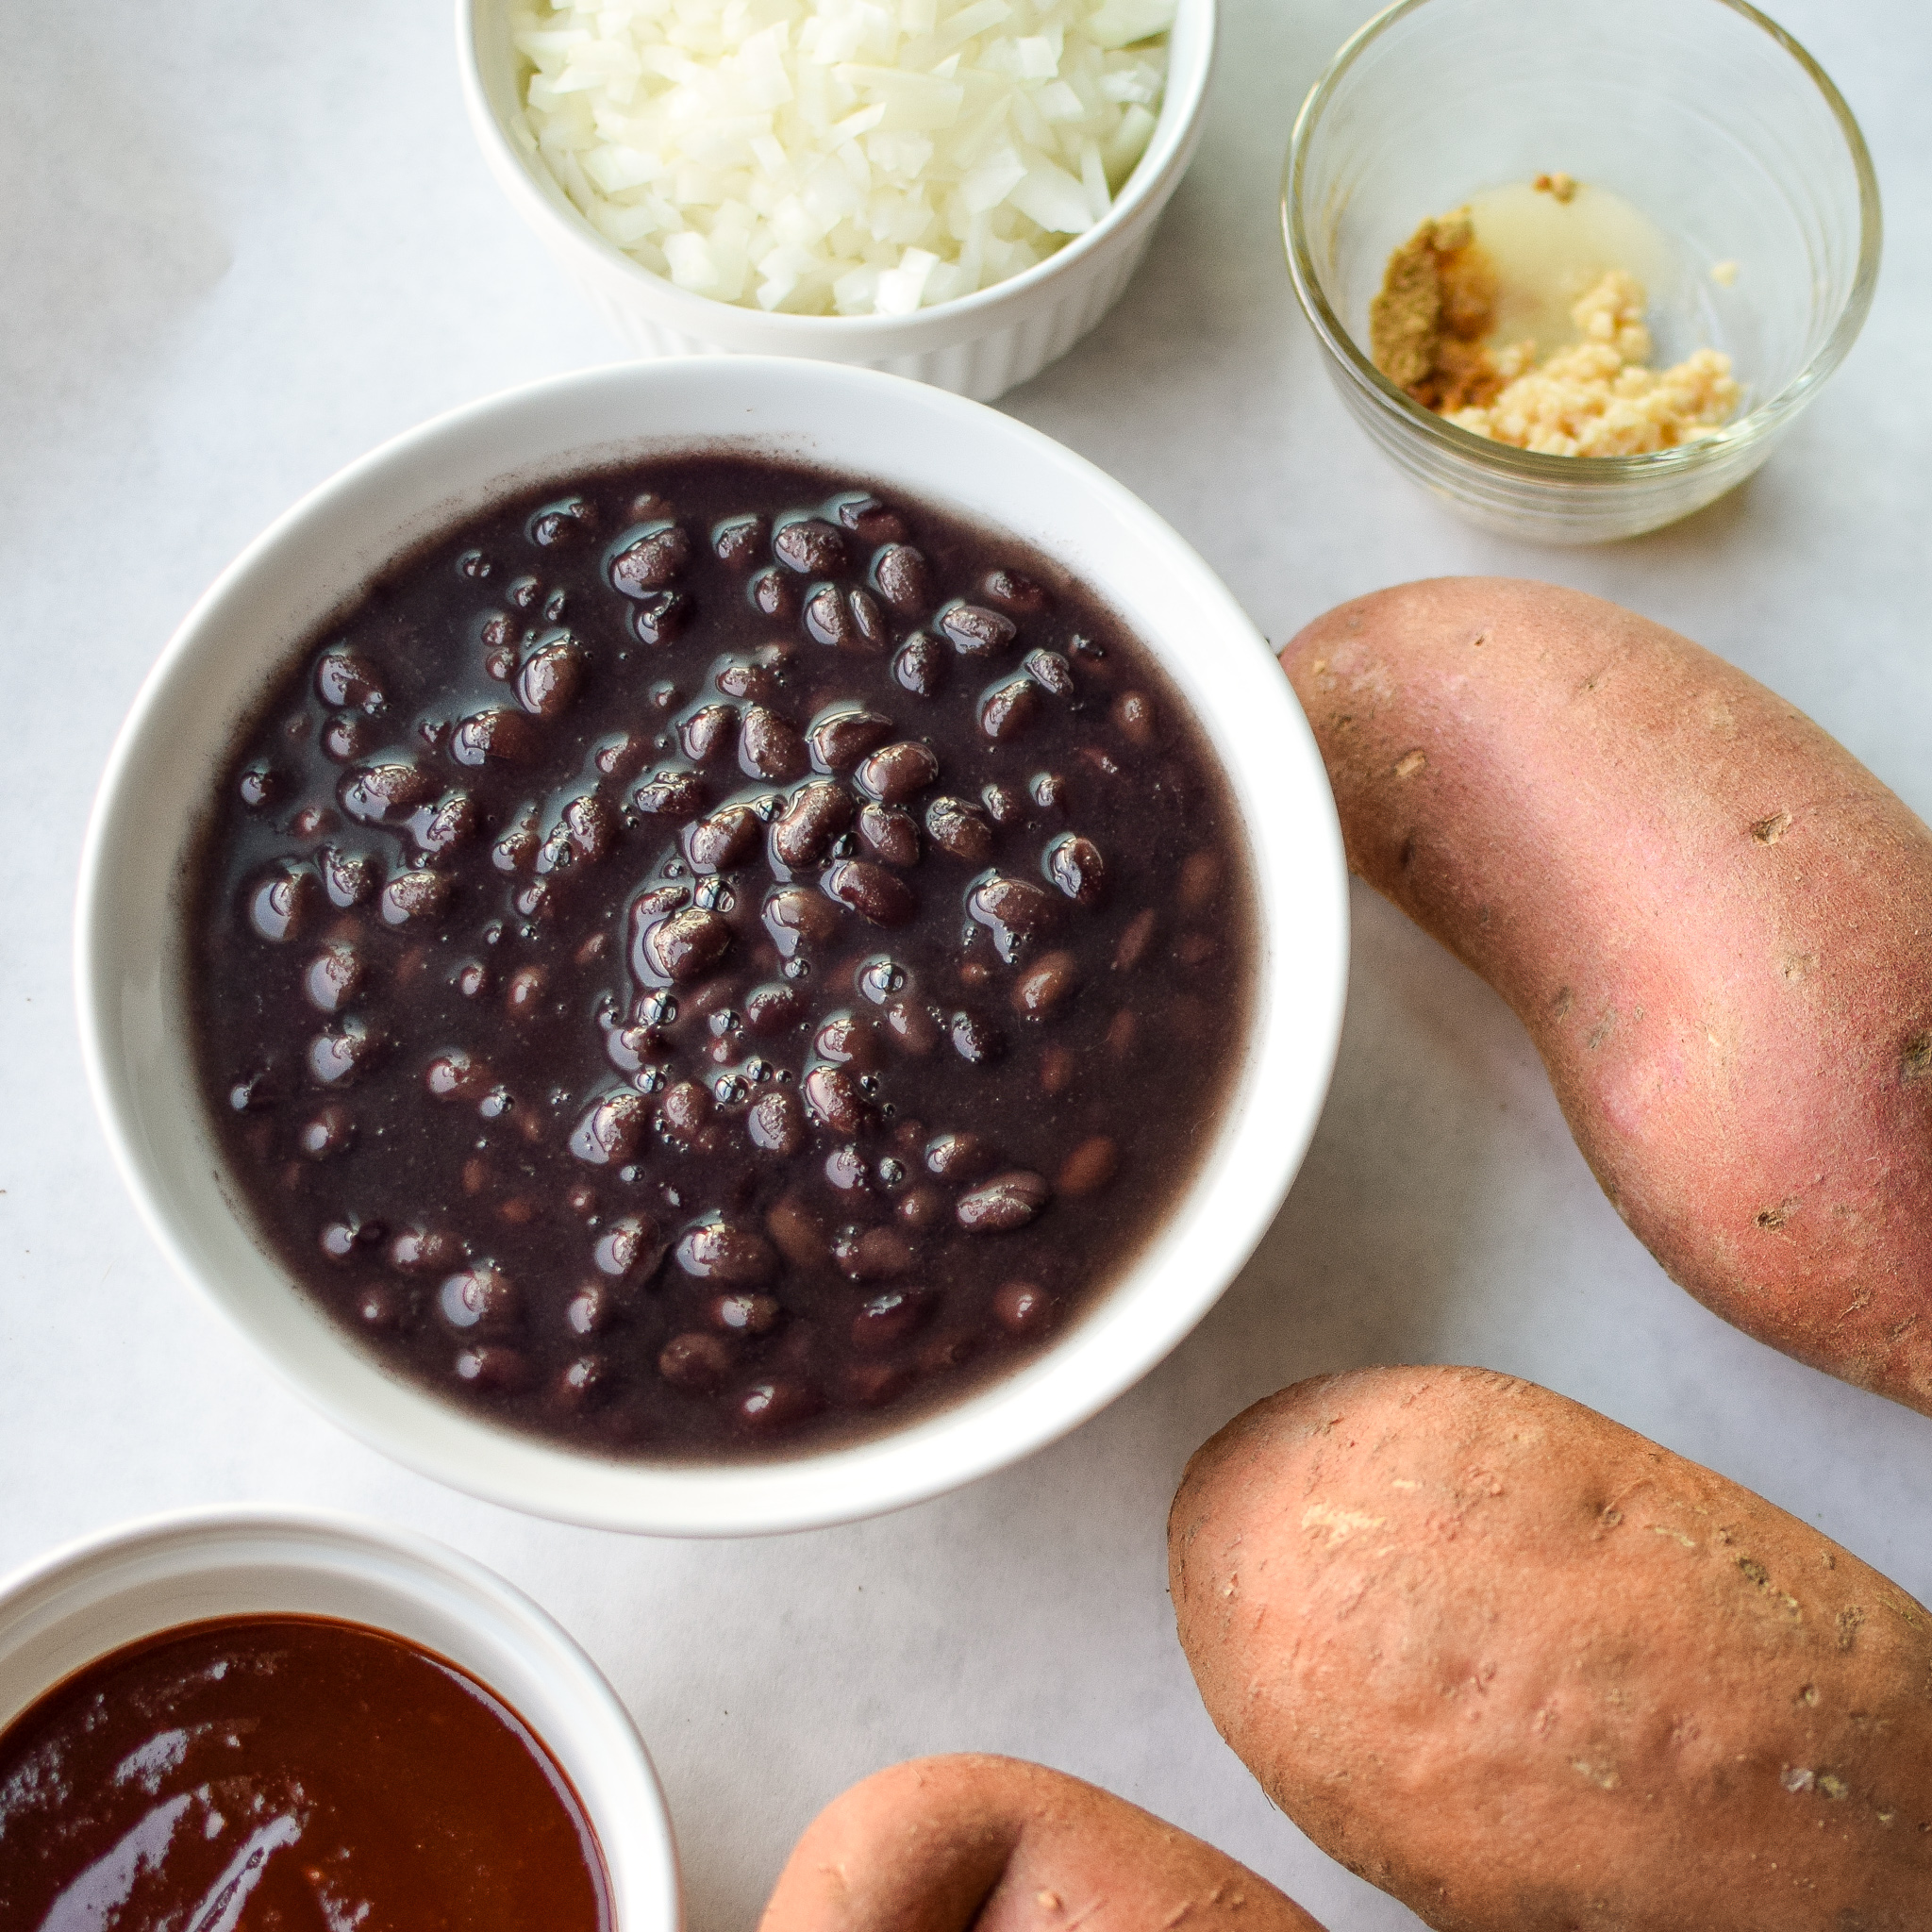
(1426, 328)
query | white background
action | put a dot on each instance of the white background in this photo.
(241, 245)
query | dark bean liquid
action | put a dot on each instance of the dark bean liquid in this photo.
(709, 960)
(286, 1774)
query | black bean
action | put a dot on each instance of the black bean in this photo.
(329, 1130)
(612, 1130)
(816, 815)
(960, 1157)
(898, 772)
(1015, 912)
(559, 525)
(914, 1025)
(1075, 866)
(974, 1038)
(590, 823)
(727, 838)
(523, 996)
(871, 892)
(452, 821)
(727, 1253)
(594, 1309)
(886, 1320)
(457, 1076)
(903, 579)
(1012, 591)
(959, 829)
(550, 679)
(769, 747)
(1008, 708)
(630, 1248)
(742, 1314)
(585, 1384)
(694, 1362)
(871, 1254)
(773, 1407)
(281, 904)
(425, 1250)
(497, 735)
(650, 561)
(386, 795)
(890, 834)
(976, 631)
(869, 633)
(795, 916)
(1051, 672)
(870, 521)
(1022, 1307)
(841, 737)
(334, 977)
(348, 735)
(774, 1010)
(660, 616)
(1004, 805)
(348, 877)
(1133, 717)
(810, 546)
(338, 1055)
(1006, 1202)
(1134, 940)
(774, 594)
(492, 1369)
(921, 666)
(833, 1096)
(738, 539)
(1089, 1167)
(776, 1124)
(760, 683)
(259, 785)
(1046, 986)
(686, 945)
(482, 1299)
(413, 898)
(347, 678)
(674, 795)
(1049, 792)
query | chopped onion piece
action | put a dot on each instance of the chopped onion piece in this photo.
(840, 157)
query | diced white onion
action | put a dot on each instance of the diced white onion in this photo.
(841, 157)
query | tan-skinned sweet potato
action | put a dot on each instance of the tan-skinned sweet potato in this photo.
(1530, 1672)
(1715, 922)
(996, 1844)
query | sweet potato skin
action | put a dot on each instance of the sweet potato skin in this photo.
(1715, 922)
(996, 1844)
(1531, 1672)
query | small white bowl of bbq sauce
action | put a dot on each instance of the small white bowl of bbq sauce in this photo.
(1222, 1180)
(978, 344)
(271, 1693)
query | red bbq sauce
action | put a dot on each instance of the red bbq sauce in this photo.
(283, 1773)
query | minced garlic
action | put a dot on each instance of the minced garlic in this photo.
(1598, 397)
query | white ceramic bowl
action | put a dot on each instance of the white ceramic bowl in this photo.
(980, 345)
(902, 436)
(92, 1597)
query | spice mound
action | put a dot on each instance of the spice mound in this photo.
(1431, 328)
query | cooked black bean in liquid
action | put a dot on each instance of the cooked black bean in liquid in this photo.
(709, 960)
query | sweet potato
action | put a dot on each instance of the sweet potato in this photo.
(1530, 1672)
(998, 1846)
(1715, 922)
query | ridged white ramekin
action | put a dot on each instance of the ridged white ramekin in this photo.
(82, 1602)
(980, 345)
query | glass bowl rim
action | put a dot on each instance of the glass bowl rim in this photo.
(1543, 466)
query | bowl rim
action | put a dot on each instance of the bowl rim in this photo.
(944, 1449)
(1170, 148)
(1540, 465)
(389, 1560)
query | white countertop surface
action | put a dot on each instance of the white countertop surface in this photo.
(238, 253)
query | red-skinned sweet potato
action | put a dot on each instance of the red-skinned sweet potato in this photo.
(1715, 922)
(994, 1844)
(1530, 1672)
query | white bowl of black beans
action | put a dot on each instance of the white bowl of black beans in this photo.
(713, 947)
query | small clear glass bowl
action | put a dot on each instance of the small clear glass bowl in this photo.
(1703, 113)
